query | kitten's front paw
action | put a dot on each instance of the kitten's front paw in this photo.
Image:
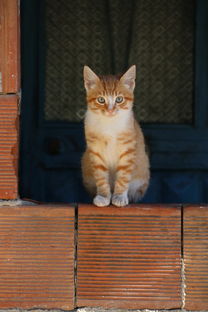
(101, 201)
(120, 200)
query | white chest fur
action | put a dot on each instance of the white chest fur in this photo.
(108, 129)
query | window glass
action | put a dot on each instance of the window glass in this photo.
(109, 36)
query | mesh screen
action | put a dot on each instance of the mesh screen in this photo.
(111, 35)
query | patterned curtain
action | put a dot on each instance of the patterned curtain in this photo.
(109, 36)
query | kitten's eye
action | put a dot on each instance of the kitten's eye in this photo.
(119, 99)
(101, 100)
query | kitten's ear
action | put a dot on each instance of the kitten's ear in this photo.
(128, 79)
(90, 78)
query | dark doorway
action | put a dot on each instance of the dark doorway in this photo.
(168, 43)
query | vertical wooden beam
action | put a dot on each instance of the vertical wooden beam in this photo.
(9, 46)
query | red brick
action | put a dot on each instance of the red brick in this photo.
(196, 257)
(9, 47)
(37, 257)
(129, 257)
(8, 146)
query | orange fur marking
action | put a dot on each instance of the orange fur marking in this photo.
(129, 98)
(131, 161)
(124, 167)
(100, 167)
(95, 108)
(128, 141)
(99, 184)
(121, 183)
(127, 152)
(96, 154)
(91, 99)
(124, 136)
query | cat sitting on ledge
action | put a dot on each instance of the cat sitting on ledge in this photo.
(115, 166)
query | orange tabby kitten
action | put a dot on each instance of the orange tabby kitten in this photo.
(115, 165)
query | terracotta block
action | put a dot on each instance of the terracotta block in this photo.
(129, 257)
(196, 257)
(9, 47)
(8, 146)
(37, 257)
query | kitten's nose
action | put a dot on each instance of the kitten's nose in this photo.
(110, 110)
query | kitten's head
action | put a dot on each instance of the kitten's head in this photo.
(109, 94)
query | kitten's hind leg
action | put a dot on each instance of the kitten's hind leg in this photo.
(137, 189)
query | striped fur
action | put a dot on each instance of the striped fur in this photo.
(115, 165)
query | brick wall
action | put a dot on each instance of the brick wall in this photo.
(139, 257)
(9, 97)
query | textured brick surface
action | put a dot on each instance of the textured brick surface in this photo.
(37, 257)
(8, 146)
(129, 257)
(196, 257)
(9, 47)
